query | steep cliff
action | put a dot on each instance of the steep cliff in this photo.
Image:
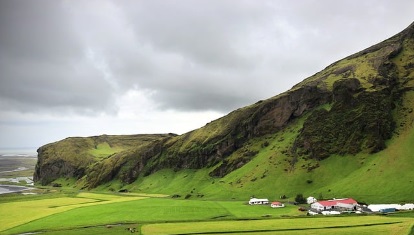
(73, 157)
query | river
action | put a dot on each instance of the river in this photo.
(16, 167)
(12, 188)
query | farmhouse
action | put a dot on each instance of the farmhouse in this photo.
(277, 205)
(256, 201)
(340, 204)
(311, 200)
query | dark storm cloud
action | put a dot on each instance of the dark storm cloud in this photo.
(82, 56)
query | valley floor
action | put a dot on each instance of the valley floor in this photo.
(54, 211)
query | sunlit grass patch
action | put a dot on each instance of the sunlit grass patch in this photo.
(18, 213)
(152, 210)
(146, 194)
(103, 150)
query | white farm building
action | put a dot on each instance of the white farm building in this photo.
(257, 201)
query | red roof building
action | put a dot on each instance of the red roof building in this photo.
(341, 204)
(277, 204)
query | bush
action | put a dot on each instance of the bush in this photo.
(300, 199)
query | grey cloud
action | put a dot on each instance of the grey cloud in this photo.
(42, 62)
(205, 32)
(204, 55)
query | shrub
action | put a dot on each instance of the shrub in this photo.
(300, 199)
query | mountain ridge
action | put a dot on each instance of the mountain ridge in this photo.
(361, 100)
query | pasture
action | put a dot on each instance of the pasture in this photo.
(96, 213)
(318, 225)
(23, 212)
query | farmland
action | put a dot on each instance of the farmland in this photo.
(102, 213)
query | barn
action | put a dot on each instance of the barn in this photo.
(335, 204)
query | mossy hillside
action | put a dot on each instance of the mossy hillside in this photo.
(71, 157)
(374, 178)
(104, 150)
(126, 165)
(352, 125)
(392, 58)
(385, 176)
(250, 148)
(273, 171)
(270, 173)
(195, 150)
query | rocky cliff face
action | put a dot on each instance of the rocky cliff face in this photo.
(347, 107)
(357, 121)
(77, 157)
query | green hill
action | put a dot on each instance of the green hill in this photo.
(346, 131)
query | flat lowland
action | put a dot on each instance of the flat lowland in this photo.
(23, 212)
(96, 213)
(128, 210)
(318, 225)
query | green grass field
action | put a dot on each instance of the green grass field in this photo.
(321, 225)
(96, 213)
(22, 212)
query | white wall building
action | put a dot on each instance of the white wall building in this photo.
(257, 201)
(378, 207)
(342, 204)
(311, 200)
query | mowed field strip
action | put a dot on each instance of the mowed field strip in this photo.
(18, 213)
(309, 225)
(94, 213)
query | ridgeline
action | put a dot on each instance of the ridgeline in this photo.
(346, 131)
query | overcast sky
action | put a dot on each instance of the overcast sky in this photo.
(81, 68)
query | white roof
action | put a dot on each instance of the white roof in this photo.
(258, 200)
(378, 207)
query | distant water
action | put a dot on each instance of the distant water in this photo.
(21, 152)
(11, 189)
(12, 162)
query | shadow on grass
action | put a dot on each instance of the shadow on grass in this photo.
(412, 231)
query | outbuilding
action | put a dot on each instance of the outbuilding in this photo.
(311, 200)
(408, 206)
(379, 207)
(257, 201)
(277, 205)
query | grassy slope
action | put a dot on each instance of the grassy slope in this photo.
(366, 177)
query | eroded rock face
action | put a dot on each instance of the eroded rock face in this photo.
(276, 114)
(48, 170)
(358, 121)
(273, 116)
